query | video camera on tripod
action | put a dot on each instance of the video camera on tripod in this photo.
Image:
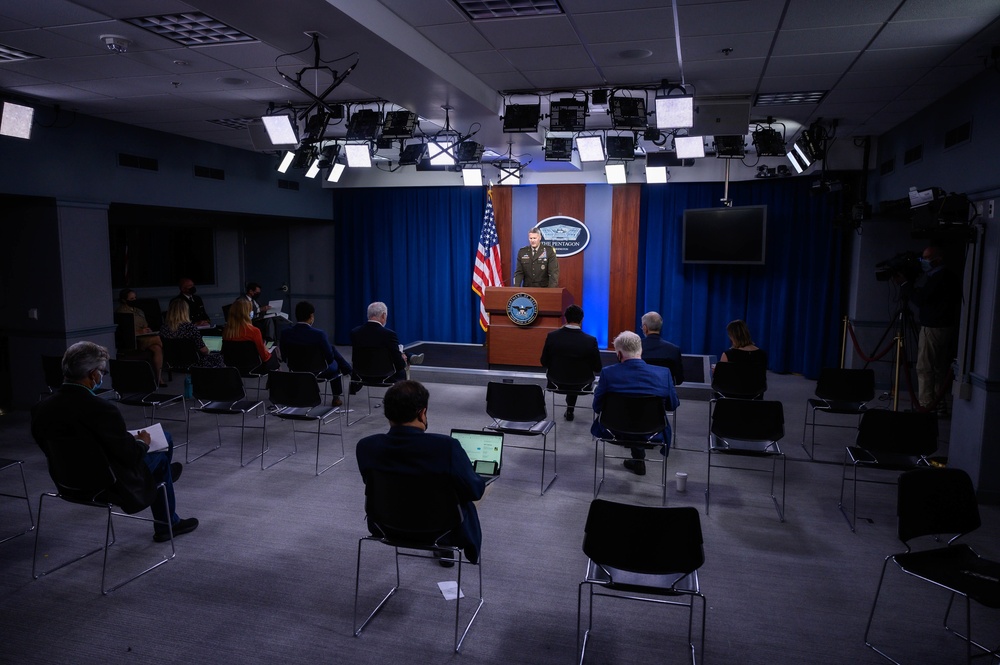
(906, 264)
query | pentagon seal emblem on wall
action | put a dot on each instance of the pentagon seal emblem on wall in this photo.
(522, 309)
(566, 235)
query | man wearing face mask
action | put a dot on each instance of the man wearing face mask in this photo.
(537, 264)
(91, 456)
(939, 304)
(196, 307)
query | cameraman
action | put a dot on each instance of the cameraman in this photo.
(939, 301)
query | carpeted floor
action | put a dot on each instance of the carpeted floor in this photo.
(269, 575)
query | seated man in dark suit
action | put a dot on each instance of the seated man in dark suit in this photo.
(374, 334)
(196, 307)
(571, 357)
(409, 449)
(304, 334)
(658, 351)
(83, 435)
(633, 376)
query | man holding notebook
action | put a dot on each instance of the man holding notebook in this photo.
(409, 449)
(92, 455)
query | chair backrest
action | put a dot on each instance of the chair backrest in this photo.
(241, 354)
(132, 376)
(898, 432)
(567, 371)
(217, 384)
(846, 385)
(740, 380)
(180, 353)
(665, 362)
(936, 502)
(151, 309)
(304, 357)
(297, 389)
(633, 415)
(411, 508)
(225, 311)
(749, 419)
(372, 363)
(52, 369)
(521, 402)
(644, 539)
(124, 331)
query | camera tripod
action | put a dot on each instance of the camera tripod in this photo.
(903, 329)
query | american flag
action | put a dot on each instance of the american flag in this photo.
(488, 270)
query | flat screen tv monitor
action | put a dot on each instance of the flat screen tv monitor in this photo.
(728, 236)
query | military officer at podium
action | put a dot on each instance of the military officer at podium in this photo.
(537, 264)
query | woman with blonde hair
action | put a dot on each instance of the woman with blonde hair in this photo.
(177, 325)
(239, 328)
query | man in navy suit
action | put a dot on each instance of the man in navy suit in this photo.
(303, 334)
(633, 376)
(571, 357)
(409, 449)
(374, 334)
(658, 351)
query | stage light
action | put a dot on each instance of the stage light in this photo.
(303, 157)
(689, 147)
(798, 157)
(472, 176)
(316, 125)
(730, 146)
(286, 161)
(768, 142)
(313, 169)
(399, 124)
(616, 174)
(441, 152)
(621, 147)
(280, 131)
(336, 170)
(656, 166)
(412, 154)
(364, 125)
(628, 112)
(567, 115)
(674, 112)
(469, 152)
(358, 155)
(558, 149)
(521, 118)
(510, 171)
(591, 148)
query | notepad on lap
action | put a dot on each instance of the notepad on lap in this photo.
(157, 439)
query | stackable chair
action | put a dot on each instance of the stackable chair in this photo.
(308, 358)
(243, 355)
(648, 554)
(633, 421)
(295, 397)
(841, 392)
(52, 370)
(6, 465)
(566, 378)
(519, 409)
(136, 385)
(414, 515)
(179, 354)
(736, 381)
(663, 362)
(888, 440)
(932, 504)
(373, 366)
(748, 428)
(219, 391)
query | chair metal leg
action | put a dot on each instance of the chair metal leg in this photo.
(265, 447)
(811, 451)
(187, 445)
(967, 638)
(852, 519)
(555, 473)
(708, 479)
(27, 500)
(319, 433)
(784, 469)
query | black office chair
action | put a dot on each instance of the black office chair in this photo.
(295, 397)
(748, 428)
(219, 391)
(415, 513)
(633, 421)
(5, 465)
(838, 391)
(519, 409)
(375, 369)
(888, 440)
(933, 503)
(645, 553)
(136, 386)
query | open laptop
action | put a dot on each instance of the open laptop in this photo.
(484, 448)
(213, 342)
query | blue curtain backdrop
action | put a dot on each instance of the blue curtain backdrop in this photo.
(413, 249)
(791, 304)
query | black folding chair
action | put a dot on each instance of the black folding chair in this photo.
(416, 514)
(519, 409)
(633, 421)
(295, 397)
(219, 391)
(841, 392)
(374, 368)
(649, 554)
(934, 503)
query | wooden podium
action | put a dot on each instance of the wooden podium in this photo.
(511, 344)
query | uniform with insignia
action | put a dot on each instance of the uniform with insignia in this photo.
(536, 267)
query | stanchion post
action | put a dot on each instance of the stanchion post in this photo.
(843, 342)
(895, 380)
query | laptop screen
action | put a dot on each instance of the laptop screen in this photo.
(213, 342)
(484, 449)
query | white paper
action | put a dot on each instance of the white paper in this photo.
(450, 590)
(157, 439)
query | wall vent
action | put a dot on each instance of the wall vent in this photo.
(136, 162)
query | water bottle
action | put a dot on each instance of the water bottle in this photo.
(188, 387)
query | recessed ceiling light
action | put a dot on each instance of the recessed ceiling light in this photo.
(231, 80)
(635, 54)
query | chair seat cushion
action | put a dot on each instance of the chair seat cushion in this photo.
(521, 427)
(956, 567)
(667, 584)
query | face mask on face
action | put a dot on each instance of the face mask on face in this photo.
(99, 382)
(925, 265)
(191, 291)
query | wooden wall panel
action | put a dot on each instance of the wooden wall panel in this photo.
(624, 259)
(503, 206)
(568, 201)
